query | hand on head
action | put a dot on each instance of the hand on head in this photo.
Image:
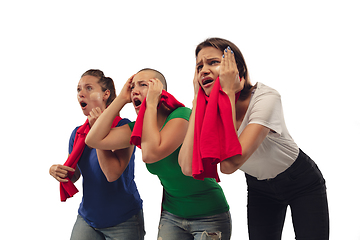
(126, 90)
(229, 74)
(154, 91)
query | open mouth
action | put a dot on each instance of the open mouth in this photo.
(83, 104)
(137, 102)
(207, 81)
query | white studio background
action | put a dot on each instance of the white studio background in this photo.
(307, 50)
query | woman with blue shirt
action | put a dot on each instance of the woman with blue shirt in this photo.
(111, 206)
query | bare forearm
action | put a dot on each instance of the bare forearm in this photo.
(231, 95)
(186, 151)
(112, 165)
(102, 126)
(250, 139)
(150, 140)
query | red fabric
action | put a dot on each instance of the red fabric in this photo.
(167, 99)
(215, 138)
(68, 189)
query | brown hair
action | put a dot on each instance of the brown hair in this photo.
(158, 75)
(221, 44)
(106, 83)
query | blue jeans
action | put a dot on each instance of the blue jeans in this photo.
(302, 187)
(172, 227)
(132, 229)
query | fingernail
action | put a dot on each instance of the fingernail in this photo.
(225, 50)
(223, 56)
(232, 52)
(228, 47)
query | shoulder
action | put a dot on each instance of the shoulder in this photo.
(180, 112)
(262, 90)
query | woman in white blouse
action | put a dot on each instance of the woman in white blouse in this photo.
(278, 173)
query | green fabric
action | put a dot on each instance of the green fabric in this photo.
(185, 196)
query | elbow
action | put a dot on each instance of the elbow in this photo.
(148, 158)
(112, 177)
(227, 167)
(186, 171)
(185, 168)
(88, 142)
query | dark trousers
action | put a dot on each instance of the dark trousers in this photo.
(302, 187)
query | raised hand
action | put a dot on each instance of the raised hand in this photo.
(126, 90)
(93, 115)
(154, 91)
(229, 74)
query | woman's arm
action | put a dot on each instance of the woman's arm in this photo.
(186, 151)
(187, 148)
(155, 144)
(113, 163)
(101, 135)
(250, 139)
(253, 134)
(60, 172)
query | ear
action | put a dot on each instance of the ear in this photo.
(106, 95)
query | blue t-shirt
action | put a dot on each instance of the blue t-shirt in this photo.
(106, 204)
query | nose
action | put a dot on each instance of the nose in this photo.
(204, 71)
(134, 91)
(81, 93)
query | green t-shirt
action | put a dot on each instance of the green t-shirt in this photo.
(185, 196)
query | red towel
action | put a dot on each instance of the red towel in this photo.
(214, 135)
(68, 189)
(167, 99)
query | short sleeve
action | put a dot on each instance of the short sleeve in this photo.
(123, 122)
(181, 112)
(267, 111)
(72, 139)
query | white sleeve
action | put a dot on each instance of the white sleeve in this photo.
(267, 111)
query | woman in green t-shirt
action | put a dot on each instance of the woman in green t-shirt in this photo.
(191, 209)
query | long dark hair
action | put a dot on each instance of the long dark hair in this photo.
(221, 44)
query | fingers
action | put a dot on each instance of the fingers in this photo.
(155, 85)
(95, 113)
(60, 172)
(229, 63)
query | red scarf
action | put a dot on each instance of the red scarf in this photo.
(215, 138)
(68, 189)
(167, 99)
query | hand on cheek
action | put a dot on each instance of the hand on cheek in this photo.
(93, 115)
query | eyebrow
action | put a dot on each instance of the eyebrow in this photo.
(87, 84)
(207, 59)
(137, 82)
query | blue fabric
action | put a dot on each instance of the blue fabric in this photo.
(106, 204)
(132, 229)
(206, 228)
